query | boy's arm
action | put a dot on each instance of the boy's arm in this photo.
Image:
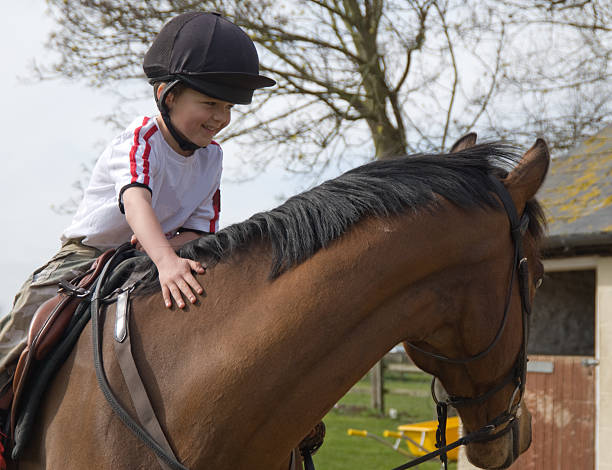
(175, 273)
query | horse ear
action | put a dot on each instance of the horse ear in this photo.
(526, 178)
(465, 142)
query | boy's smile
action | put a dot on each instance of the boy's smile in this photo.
(197, 116)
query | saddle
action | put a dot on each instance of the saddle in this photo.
(48, 326)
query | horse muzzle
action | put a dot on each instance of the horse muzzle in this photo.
(500, 453)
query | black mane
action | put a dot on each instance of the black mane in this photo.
(309, 221)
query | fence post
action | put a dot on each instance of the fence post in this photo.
(378, 397)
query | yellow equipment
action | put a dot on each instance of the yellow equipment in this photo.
(420, 437)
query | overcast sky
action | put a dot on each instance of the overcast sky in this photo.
(48, 131)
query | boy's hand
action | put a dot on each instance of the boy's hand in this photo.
(176, 279)
(175, 273)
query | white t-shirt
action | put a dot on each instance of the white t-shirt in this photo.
(185, 190)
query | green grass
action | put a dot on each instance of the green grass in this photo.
(409, 395)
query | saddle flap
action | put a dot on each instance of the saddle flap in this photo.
(47, 328)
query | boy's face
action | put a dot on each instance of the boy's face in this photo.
(197, 116)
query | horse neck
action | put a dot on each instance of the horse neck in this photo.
(277, 355)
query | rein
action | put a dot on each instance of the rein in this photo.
(518, 227)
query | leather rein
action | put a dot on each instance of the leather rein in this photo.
(516, 375)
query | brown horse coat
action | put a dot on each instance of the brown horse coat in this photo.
(238, 379)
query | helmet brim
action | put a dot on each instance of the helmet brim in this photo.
(232, 87)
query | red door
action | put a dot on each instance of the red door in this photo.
(560, 394)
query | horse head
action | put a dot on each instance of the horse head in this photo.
(482, 374)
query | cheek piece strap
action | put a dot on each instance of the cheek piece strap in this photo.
(183, 141)
(516, 375)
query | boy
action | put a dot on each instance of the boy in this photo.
(157, 184)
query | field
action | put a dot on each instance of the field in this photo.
(408, 393)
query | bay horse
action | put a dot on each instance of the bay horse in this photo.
(301, 301)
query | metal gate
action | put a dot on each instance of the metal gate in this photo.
(560, 394)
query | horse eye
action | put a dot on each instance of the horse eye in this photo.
(538, 283)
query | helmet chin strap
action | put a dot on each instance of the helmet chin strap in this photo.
(184, 142)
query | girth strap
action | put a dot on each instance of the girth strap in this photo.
(137, 390)
(123, 415)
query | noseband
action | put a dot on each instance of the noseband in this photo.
(508, 419)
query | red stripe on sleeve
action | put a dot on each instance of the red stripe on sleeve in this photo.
(133, 167)
(145, 155)
(217, 207)
(134, 149)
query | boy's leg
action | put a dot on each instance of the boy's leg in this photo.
(73, 259)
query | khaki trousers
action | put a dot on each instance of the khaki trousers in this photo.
(73, 259)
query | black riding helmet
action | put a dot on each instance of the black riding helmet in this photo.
(208, 53)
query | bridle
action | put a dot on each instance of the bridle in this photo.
(507, 421)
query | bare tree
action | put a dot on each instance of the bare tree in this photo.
(376, 78)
